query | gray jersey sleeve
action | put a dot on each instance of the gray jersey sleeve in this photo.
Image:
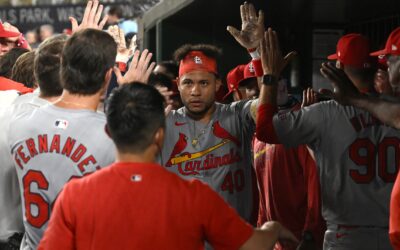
(303, 126)
(246, 114)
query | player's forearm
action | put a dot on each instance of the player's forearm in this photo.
(264, 237)
(268, 95)
(385, 111)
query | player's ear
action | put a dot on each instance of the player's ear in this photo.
(107, 130)
(178, 83)
(108, 76)
(159, 138)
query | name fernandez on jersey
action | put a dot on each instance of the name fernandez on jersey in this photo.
(44, 144)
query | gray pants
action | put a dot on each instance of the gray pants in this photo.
(356, 238)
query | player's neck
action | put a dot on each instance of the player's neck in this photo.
(148, 156)
(73, 101)
(203, 118)
(50, 99)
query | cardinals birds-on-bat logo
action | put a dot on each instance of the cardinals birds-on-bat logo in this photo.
(181, 144)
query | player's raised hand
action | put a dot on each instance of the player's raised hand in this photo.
(343, 88)
(252, 27)
(119, 38)
(166, 94)
(139, 70)
(91, 17)
(309, 97)
(271, 56)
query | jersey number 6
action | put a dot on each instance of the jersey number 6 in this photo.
(34, 199)
(363, 153)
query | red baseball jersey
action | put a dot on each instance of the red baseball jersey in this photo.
(394, 222)
(289, 189)
(142, 206)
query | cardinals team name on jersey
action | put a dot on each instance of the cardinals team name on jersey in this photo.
(360, 121)
(210, 162)
(70, 148)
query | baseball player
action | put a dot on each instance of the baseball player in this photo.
(356, 154)
(182, 214)
(242, 82)
(206, 140)
(290, 171)
(211, 141)
(232, 83)
(64, 140)
(10, 37)
(50, 90)
(386, 111)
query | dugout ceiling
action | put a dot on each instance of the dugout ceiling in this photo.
(310, 27)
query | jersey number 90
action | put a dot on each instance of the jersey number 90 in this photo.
(367, 155)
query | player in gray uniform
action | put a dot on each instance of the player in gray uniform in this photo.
(207, 140)
(216, 152)
(386, 111)
(58, 142)
(356, 154)
(47, 74)
(211, 141)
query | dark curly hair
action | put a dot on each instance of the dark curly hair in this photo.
(208, 49)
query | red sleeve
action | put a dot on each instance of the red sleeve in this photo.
(223, 227)
(59, 233)
(395, 240)
(265, 131)
(8, 84)
(394, 221)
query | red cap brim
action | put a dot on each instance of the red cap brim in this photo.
(243, 81)
(379, 52)
(333, 57)
(5, 33)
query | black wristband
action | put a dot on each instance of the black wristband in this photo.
(269, 80)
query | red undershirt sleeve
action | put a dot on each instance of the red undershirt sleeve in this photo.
(265, 130)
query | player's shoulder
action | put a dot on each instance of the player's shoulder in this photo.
(234, 106)
(332, 107)
(89, 180)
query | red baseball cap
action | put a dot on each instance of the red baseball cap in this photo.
(5, 33)
(392, 45)
(249, 72)
(353, 50)
(233, 78)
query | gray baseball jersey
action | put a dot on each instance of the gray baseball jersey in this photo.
(357, 156)
(10, 200)
(50, 147)
(217, 153)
